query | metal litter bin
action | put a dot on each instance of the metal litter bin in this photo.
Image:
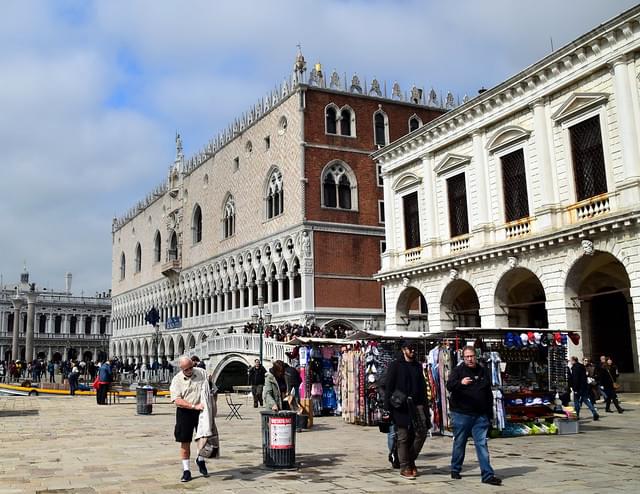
(144, 400)
(279, 439)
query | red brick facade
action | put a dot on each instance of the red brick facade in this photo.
(341, 255)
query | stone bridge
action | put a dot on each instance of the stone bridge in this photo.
(236, 353)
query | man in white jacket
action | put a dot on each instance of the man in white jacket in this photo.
(195, 412)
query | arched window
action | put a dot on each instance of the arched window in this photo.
(297, 282)
(331, 117)
(157, 247)
(197, 224)
(414, 123)
(275, 195)
(173, 247)
(339, 188)
(123, 266)
(138, 258)
(381, 128)
(286, 292)
(345, 122)
(229, 218)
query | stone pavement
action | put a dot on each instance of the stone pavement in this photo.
(71, 445)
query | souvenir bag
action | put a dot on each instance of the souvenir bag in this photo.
(208, 447)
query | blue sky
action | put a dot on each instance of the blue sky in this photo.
(92, 92)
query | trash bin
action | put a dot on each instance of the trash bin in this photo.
(144, 400)
(279, 439)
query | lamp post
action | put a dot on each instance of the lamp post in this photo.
(260, 318)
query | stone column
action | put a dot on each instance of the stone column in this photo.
(2, 326)
(17, 305)
(280, 287)
(627, 130)
(269, 299)
(292, 277)
(234, 297)
(480, 228)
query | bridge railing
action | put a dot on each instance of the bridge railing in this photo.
(248, 344)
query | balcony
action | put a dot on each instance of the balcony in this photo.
(412, 255)
(589, 208)
(458, 244)
(518, 228)
(172, 267)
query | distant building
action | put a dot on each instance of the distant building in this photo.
(64, 326)
(285, 207)
(521, 208)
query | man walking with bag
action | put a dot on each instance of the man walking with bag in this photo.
(406, 398)
(256, 380)
(580, 386)
(195, 411)
(471, 404)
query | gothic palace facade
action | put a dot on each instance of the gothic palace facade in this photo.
(521, 208)
(285, 206)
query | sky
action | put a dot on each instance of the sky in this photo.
(93, 92)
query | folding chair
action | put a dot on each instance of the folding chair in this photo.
(234, 408)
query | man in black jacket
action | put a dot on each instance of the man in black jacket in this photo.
(471, 405)
(256, 380)
(406, 394)
(580, 386)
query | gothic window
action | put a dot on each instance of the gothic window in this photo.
(411, 220)
(588, 159)
(414, 123)
(197, 224)
(345, 122)
(138, 258)
(339, 187)
(274, 285)
(514, 186)
(123, 266)
(458, 217)
(381, 125)
(157, 247)
(173, 247)
(229, 218)
(297, 282)
(286, 295)
(275, 195)
(331, 117)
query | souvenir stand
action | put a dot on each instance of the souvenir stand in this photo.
(528, 370)
(317, 360)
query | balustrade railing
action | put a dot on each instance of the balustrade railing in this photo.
(589, 208)
(412, 255)
(518, 228)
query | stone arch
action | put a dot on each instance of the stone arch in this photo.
(161, 348)
(179, 345)
(411, 311)
(346, 323)
(136, 348)
(459, 306)
(202, 337)
(237, 365)
(599, 304)
(520, 300)
(170, 353)
(191, 342)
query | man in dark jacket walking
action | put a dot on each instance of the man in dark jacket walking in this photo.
(105, 377)
(256, 380)
(406, 395)
(471, 405)
(580, 387)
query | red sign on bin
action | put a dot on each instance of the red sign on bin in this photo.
(280, 429)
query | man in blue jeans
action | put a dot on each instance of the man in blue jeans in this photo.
(471, 405)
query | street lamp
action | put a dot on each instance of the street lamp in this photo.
(260, 318)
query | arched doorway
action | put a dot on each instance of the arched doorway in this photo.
(87, 356)
(598, 302)
(72, 354)
(520, 300)
(459, 306)
(233, 372)
(411, 310)
(57, 357)
(338, 328)
(41, 356)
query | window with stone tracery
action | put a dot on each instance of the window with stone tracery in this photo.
(138, 258)
(229, 218)
(197, 224)
(123, 265)
(157, 250)
(339, 188)
(275, 195)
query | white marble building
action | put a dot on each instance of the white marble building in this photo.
(64, 325)
(521, 208)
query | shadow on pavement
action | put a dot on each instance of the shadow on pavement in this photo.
(17, 413)
(509, 472)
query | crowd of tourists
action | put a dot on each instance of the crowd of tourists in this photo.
(286, 332)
